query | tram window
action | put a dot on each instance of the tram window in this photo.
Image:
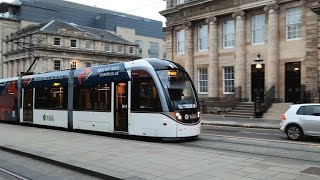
(145, 97)
(51, 98)
(93, 98)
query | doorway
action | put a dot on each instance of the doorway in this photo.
(28, 105)
(257, 83)
(121, 106)
(293, 82)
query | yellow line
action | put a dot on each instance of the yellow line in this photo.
(269, 140)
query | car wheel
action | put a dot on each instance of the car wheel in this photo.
(294, 132)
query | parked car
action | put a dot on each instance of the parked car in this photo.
(301, 120)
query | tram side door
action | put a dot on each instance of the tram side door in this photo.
(121, 106)
(28, 105)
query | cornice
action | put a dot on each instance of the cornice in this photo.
(223, 12)
(183, 6)
(68, 50)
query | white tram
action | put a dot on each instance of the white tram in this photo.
(147, 97)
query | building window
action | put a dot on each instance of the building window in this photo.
(140, 45)
(88, 64)
(203, 38)
(73, 65)
(164, 52)
(293, 23)
(202, 81)
(154, 50)
(228, 34)
(73, 43)
(57, 41)
(120, 49)
(258, 24)
(180, 2)
(88, 45)
(228, 80)
(108, 48)
(57, 65)
(131, 50)
(180, 41)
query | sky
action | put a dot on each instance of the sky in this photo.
(144, 8)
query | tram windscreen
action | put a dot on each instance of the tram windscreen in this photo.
(179, 88)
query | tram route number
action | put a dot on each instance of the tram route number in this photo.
(48, 118)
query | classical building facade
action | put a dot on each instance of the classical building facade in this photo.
(60, 45)
(218, 41)
(146, 33)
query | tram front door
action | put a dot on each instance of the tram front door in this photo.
(28, 105)
(121, 107)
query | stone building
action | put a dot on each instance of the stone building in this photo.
(144, 32)
(61, 45)
(218, 42)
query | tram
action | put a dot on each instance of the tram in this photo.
(146, 97)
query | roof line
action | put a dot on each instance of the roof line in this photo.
(74, 25)
(44, 27)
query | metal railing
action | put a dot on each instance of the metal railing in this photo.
(262, 105)
(269, 98)
(234, 97)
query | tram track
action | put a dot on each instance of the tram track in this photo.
(13, 175)
(263, 146)
(277, 152)
(253, 153)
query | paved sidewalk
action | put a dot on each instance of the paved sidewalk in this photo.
(220, 120)
(138, 160)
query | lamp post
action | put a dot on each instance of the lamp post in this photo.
(257, 102)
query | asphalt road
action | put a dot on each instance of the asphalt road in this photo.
(272, 144)
(16, 167)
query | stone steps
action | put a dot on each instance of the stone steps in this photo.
(276, 110)
(242, 109)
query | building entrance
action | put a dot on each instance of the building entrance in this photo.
(257, 83)
(293, 82)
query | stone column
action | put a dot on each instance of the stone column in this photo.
(240, 64)
(189, 63)
(5, 69)
(272, 61)
(21, 66)
(15, 67)
(28, 63)
(213, 73)
(169, 43)
(10, 64)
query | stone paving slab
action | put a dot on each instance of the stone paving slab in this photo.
(138, 160)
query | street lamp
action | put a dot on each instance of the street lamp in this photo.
(258, 61)
(257, 102)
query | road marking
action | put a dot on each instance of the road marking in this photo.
(13, 174)
(269, 140)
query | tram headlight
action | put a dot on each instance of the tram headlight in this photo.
(198, 114)
(178, 115)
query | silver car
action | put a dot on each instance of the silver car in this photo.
(301, 120)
